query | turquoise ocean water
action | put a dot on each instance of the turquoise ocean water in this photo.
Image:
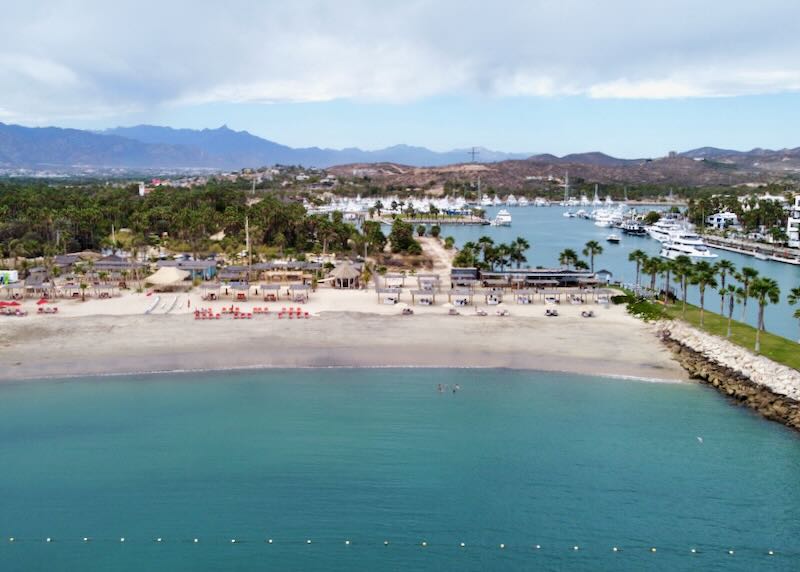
(518, 458)
(550, 233)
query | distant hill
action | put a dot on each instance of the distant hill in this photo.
(154, 147)
(53, 146)
(593, 158)
(237, 149)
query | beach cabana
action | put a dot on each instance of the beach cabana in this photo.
(345, 276)
(299, 292)
(106, 290)
(239, 290)
(388, 295)
(524, 296)
(428, 282)
(209, 291)
(270, 292)
(424, 297)
(394, 280)
(167, 277)
(14, 289)
(493, 296)
(460, 296)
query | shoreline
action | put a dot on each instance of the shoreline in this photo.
(262, 367)
(768, 388)
(611, 345)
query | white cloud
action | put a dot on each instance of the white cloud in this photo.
(65, 58)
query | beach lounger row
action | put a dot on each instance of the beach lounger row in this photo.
(13, 312)
(293, 313)
(42, 310)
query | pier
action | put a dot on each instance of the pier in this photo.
(755, 249)
(442, 221)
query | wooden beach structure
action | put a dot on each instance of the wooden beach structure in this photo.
(423, 297)
(345, 275)
(388, 295)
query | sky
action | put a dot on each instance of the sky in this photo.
(630, 78)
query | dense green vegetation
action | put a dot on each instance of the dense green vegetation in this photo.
(730, 285)
(487, 255)
(774, 347)
(41, 220)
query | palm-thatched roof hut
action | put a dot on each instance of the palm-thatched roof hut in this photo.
(345, 276)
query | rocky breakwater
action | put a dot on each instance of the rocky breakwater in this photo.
(770, 388)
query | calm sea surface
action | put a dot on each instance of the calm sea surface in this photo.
(549, 233)
(518, 458)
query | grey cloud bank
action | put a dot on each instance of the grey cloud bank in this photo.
(67, 60)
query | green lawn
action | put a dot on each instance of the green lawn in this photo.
(776, 348)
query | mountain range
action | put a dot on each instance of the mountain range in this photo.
(153, 147)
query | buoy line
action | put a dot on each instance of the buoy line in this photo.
(424, 543)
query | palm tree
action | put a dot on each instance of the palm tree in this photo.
(568, 257)
(682, 269)
(667, 267)
(652, 266)
(724, 268)
(518, 248)
(746, 276)
(638, 256)
(794, 298)
(766, 291)
(592, 249)
(733, 293)
(703, 276)
(581, 265)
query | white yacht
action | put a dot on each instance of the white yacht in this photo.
(496, 201)
(662, 229)
(540, 202)
(486, 201)
(511, 201)
(523, 202)
(686, 244)
(503, 218)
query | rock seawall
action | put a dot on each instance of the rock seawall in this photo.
(771, 389)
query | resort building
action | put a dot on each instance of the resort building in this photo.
(202, 269)
(793, 224)
(523, 278)
(722, 220)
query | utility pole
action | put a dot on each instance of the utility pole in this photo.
(247, 241)
(474, 153)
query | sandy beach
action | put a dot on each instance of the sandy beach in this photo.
(346, 328)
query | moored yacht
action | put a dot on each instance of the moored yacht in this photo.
(683, 243)
(523, 202)
(511, 201)
(503, 218)
(633, 228)
(662, 229)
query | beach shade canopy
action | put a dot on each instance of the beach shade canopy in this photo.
(167, 276)
(41, 301)
(345, 272)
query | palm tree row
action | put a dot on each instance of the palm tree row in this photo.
(684, 271)
(486, 254)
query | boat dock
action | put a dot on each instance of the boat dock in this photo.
(755, 249)
(441, 221)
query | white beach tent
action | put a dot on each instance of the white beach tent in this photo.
(167, 276)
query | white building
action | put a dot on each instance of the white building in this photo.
(793, 224)
(722, 220)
